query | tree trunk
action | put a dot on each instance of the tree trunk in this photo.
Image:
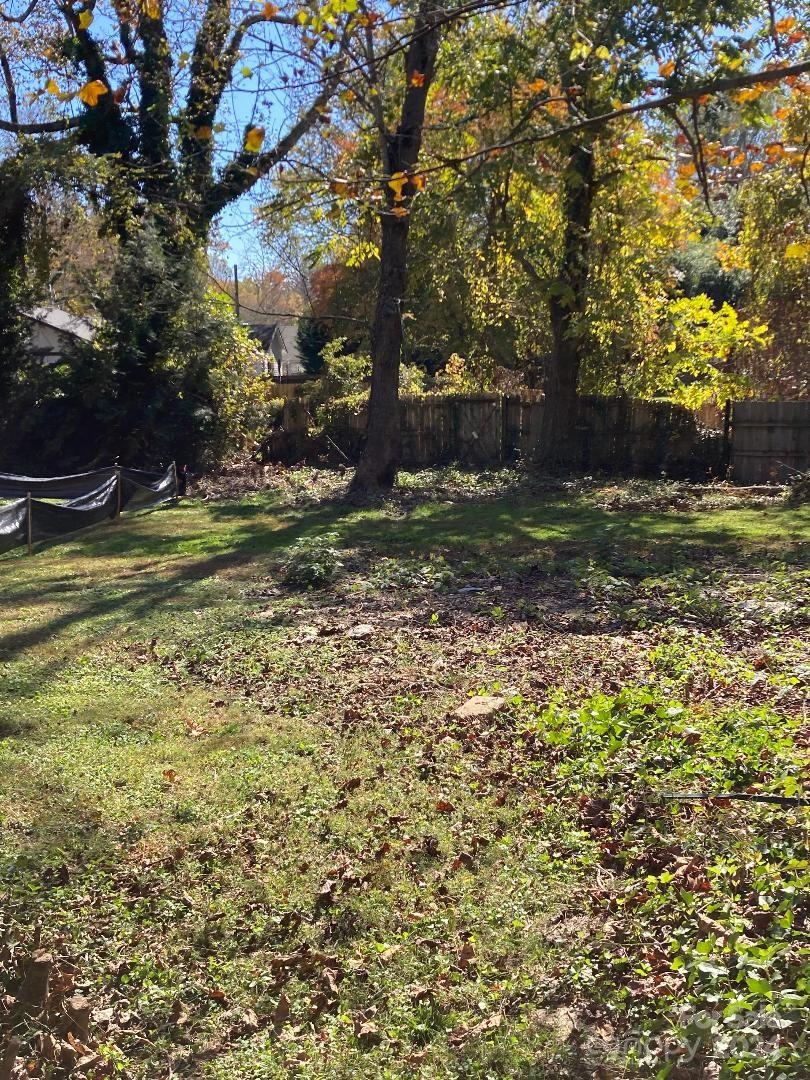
(559, 437)
(380, 459)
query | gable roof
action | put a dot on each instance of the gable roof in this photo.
(63, 322)
(266, 333)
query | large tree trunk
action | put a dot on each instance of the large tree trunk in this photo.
(559, 436)
(379, 462)
(380, 459)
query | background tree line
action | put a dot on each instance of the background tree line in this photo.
(610, 198)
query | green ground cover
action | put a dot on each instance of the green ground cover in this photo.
(247, 823)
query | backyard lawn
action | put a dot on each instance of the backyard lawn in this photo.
(247, 821)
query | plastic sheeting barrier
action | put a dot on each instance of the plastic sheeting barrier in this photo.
(96, 496)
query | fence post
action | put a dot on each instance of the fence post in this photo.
(726, 461)
(30, 517)
(176, 488)
(118, 491)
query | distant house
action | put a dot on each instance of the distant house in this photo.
(54, 332)
(283, 363)
(271, 340)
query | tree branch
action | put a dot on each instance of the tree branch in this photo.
(47, 127)
(19, 18)
(11, 90)
(246, 168)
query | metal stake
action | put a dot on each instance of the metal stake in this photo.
(30, 516)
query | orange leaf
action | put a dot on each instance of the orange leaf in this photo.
(417, 78)
(665, 70)
(269, 10)
(784, 25)
(92, 91)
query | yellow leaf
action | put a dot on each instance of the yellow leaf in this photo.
(85, 18)
(686, 170)
(418, 182)
(52, 86)
(537, 86)
(203, 133)
(254, 140)
(665, 70)
(92, 91)
(749, 94)
(797, 250)
(339, 186)
(738, 160)
(397, 183)
(757, 166)
(417, 78)
(269, 10)
(151, 8)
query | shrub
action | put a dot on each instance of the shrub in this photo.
(313, 562)
(799, 488)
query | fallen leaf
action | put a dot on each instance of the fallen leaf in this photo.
(281, 1012)
(466, 955)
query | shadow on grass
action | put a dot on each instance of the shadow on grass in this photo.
(512, 527)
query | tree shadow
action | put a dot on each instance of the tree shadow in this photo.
(552, 525)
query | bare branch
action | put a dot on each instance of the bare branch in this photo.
(48, 127)
(11, 90)
(19, 18)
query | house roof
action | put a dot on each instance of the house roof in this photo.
(266, 332)
(63, 321)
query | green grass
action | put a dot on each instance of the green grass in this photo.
(264, 847)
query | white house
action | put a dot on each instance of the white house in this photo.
(54, 331)
(280, 342)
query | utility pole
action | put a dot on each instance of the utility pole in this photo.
(236, 288)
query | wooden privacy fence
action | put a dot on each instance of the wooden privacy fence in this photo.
(770, 440)
(618, 434)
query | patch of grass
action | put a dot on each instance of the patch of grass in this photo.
(257, 837)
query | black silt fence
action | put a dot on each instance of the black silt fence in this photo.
(82, 500)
